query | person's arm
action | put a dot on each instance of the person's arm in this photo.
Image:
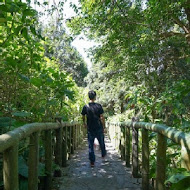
(84, 116)
(103, 121)
(84, 121)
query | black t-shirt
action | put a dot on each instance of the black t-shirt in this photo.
(93, 112)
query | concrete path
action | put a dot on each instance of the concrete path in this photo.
(107, 174)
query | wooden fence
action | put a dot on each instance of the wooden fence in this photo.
(67, 138)
(120, 135)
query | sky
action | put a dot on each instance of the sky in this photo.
(80, 43)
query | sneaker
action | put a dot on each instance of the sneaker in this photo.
(92, 164)
(103, 157)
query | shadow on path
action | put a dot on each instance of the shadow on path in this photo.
(107, 174)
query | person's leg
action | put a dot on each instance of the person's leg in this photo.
(91, 138)
(100, 137)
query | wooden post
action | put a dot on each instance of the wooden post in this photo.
(123, 142)
(58, 150)
(111, 129)
(161, 163)
(64, 147)
(119, 140)
(185, 157)
(82, 133)
(48, 160)
(115, 134)
(145, 160)
(10, 168)
(69, 141)
(135, 162)
(72, 139)
(58, 146)
(33, 160)
(78, 135)
(127, 146)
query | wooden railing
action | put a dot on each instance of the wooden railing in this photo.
(120, 135)
(67, 138)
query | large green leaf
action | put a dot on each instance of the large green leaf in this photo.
(3, 20)
(22, 167)
(23, 183)
(33, 30)
(36, 81)
(185, 124)
(24, 32)
(29, 12)
(24, 77)
(6, 121)
(21, 114)
(3, 8)
(52, 102)
(41, 169)
(180, 180)
(49, 80)
(69, 94)
(17, 29)
(41, 110)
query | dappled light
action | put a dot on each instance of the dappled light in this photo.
(109, 173)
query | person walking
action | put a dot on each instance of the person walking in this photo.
(93, 120)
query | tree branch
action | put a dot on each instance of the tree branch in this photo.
(170, 34)
(187, 10)
(129, 22)
(181, 24)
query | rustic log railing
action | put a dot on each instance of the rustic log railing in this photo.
(68, 136)
(120, 135)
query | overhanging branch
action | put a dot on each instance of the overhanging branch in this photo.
(170, 34)
(181, 24)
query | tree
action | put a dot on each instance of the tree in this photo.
(146, 44)
(58, 46)
(32, 87)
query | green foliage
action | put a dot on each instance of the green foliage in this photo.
(141, 66)
(179, 179)
(144, 51)
(58, 45)
(36, 84)
(5, 124)
(23, 168)
(33, 87)
(23, 183)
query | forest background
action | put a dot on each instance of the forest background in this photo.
(141, 65)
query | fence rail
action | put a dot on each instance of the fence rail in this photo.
(120, 134)
(67, 137)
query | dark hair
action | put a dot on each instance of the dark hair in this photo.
(92, 94)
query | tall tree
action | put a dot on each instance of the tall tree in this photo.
(58, 46)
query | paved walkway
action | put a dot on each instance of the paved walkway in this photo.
(108, 174)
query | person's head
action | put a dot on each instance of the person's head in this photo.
(92, 95)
